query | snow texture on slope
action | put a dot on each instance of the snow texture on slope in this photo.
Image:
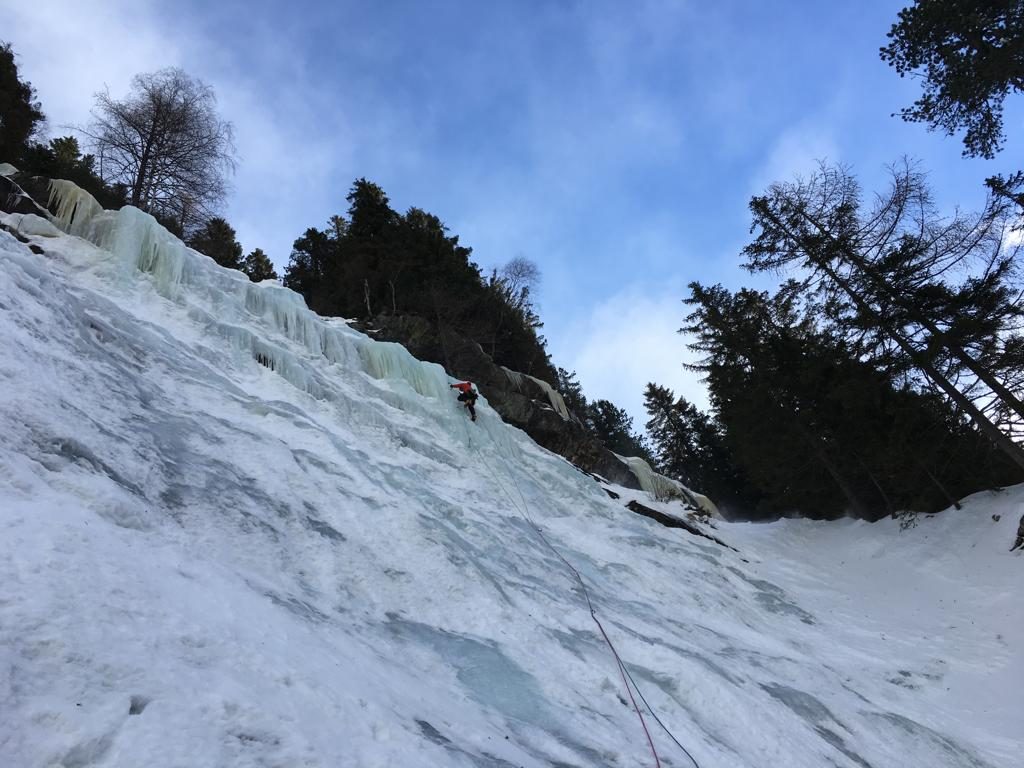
(236, 534)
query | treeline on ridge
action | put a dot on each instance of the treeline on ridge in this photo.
(376, 261)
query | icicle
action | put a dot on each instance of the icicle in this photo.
(554, 397)
(514, 376)
(139, 241)
(388, 360)
(285, 310)
(76, 208)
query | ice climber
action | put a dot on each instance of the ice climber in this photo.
(467, 395)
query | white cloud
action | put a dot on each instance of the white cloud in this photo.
(796, 152)
(628, 340)
(69, 51)
(288, 143)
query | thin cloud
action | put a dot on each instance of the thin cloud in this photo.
(71, 50)
(629, 340)
(796, 152)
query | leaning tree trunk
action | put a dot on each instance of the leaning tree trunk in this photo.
(942, 489)
(997, 387)
(889, 508)
(1004, 443)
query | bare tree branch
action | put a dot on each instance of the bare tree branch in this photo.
(167, 145)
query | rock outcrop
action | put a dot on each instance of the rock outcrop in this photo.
(13, 195)
(670, 521)
(519, 399)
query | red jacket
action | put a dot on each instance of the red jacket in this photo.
(464, 386)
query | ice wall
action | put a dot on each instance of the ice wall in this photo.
(207, 567)
(28, 224)
(228, 303)
(230, 300)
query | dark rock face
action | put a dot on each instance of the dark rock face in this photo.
(1019, 543)
(519, 400)
(14, 199)
(673, 522)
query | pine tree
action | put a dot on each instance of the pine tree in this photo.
(377, 262)
(62, 158)
(572, 393)
(815, 424)
(689, 445)
(969, 55)
(217, 240)
(369, 214)
(892, 264)
(257, 266)
(20, 113)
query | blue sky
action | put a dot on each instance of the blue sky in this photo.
(616, 144)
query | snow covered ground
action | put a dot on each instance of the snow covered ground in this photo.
(206, 561)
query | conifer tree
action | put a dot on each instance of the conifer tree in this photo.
(217, 240)
(313, 266)
(257, 266)
(893, 264)
(969, 55)
(369, 214)
(614, 428)
(815, 423)
(572, 393)
(377, 262)
(20, 113)
(62, 158)
(689, 445)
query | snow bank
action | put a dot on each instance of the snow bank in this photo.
(665, 488)
(28, 224)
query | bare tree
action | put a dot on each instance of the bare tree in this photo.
(166, 143)
(521, 278)
(511, 285)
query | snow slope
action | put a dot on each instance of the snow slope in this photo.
(236, 534)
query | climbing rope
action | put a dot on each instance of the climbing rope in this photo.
(624, 672)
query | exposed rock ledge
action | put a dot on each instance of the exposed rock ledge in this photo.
(521, 400)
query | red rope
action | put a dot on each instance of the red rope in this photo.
(623, 669)
(590, 605)
(622, 674)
